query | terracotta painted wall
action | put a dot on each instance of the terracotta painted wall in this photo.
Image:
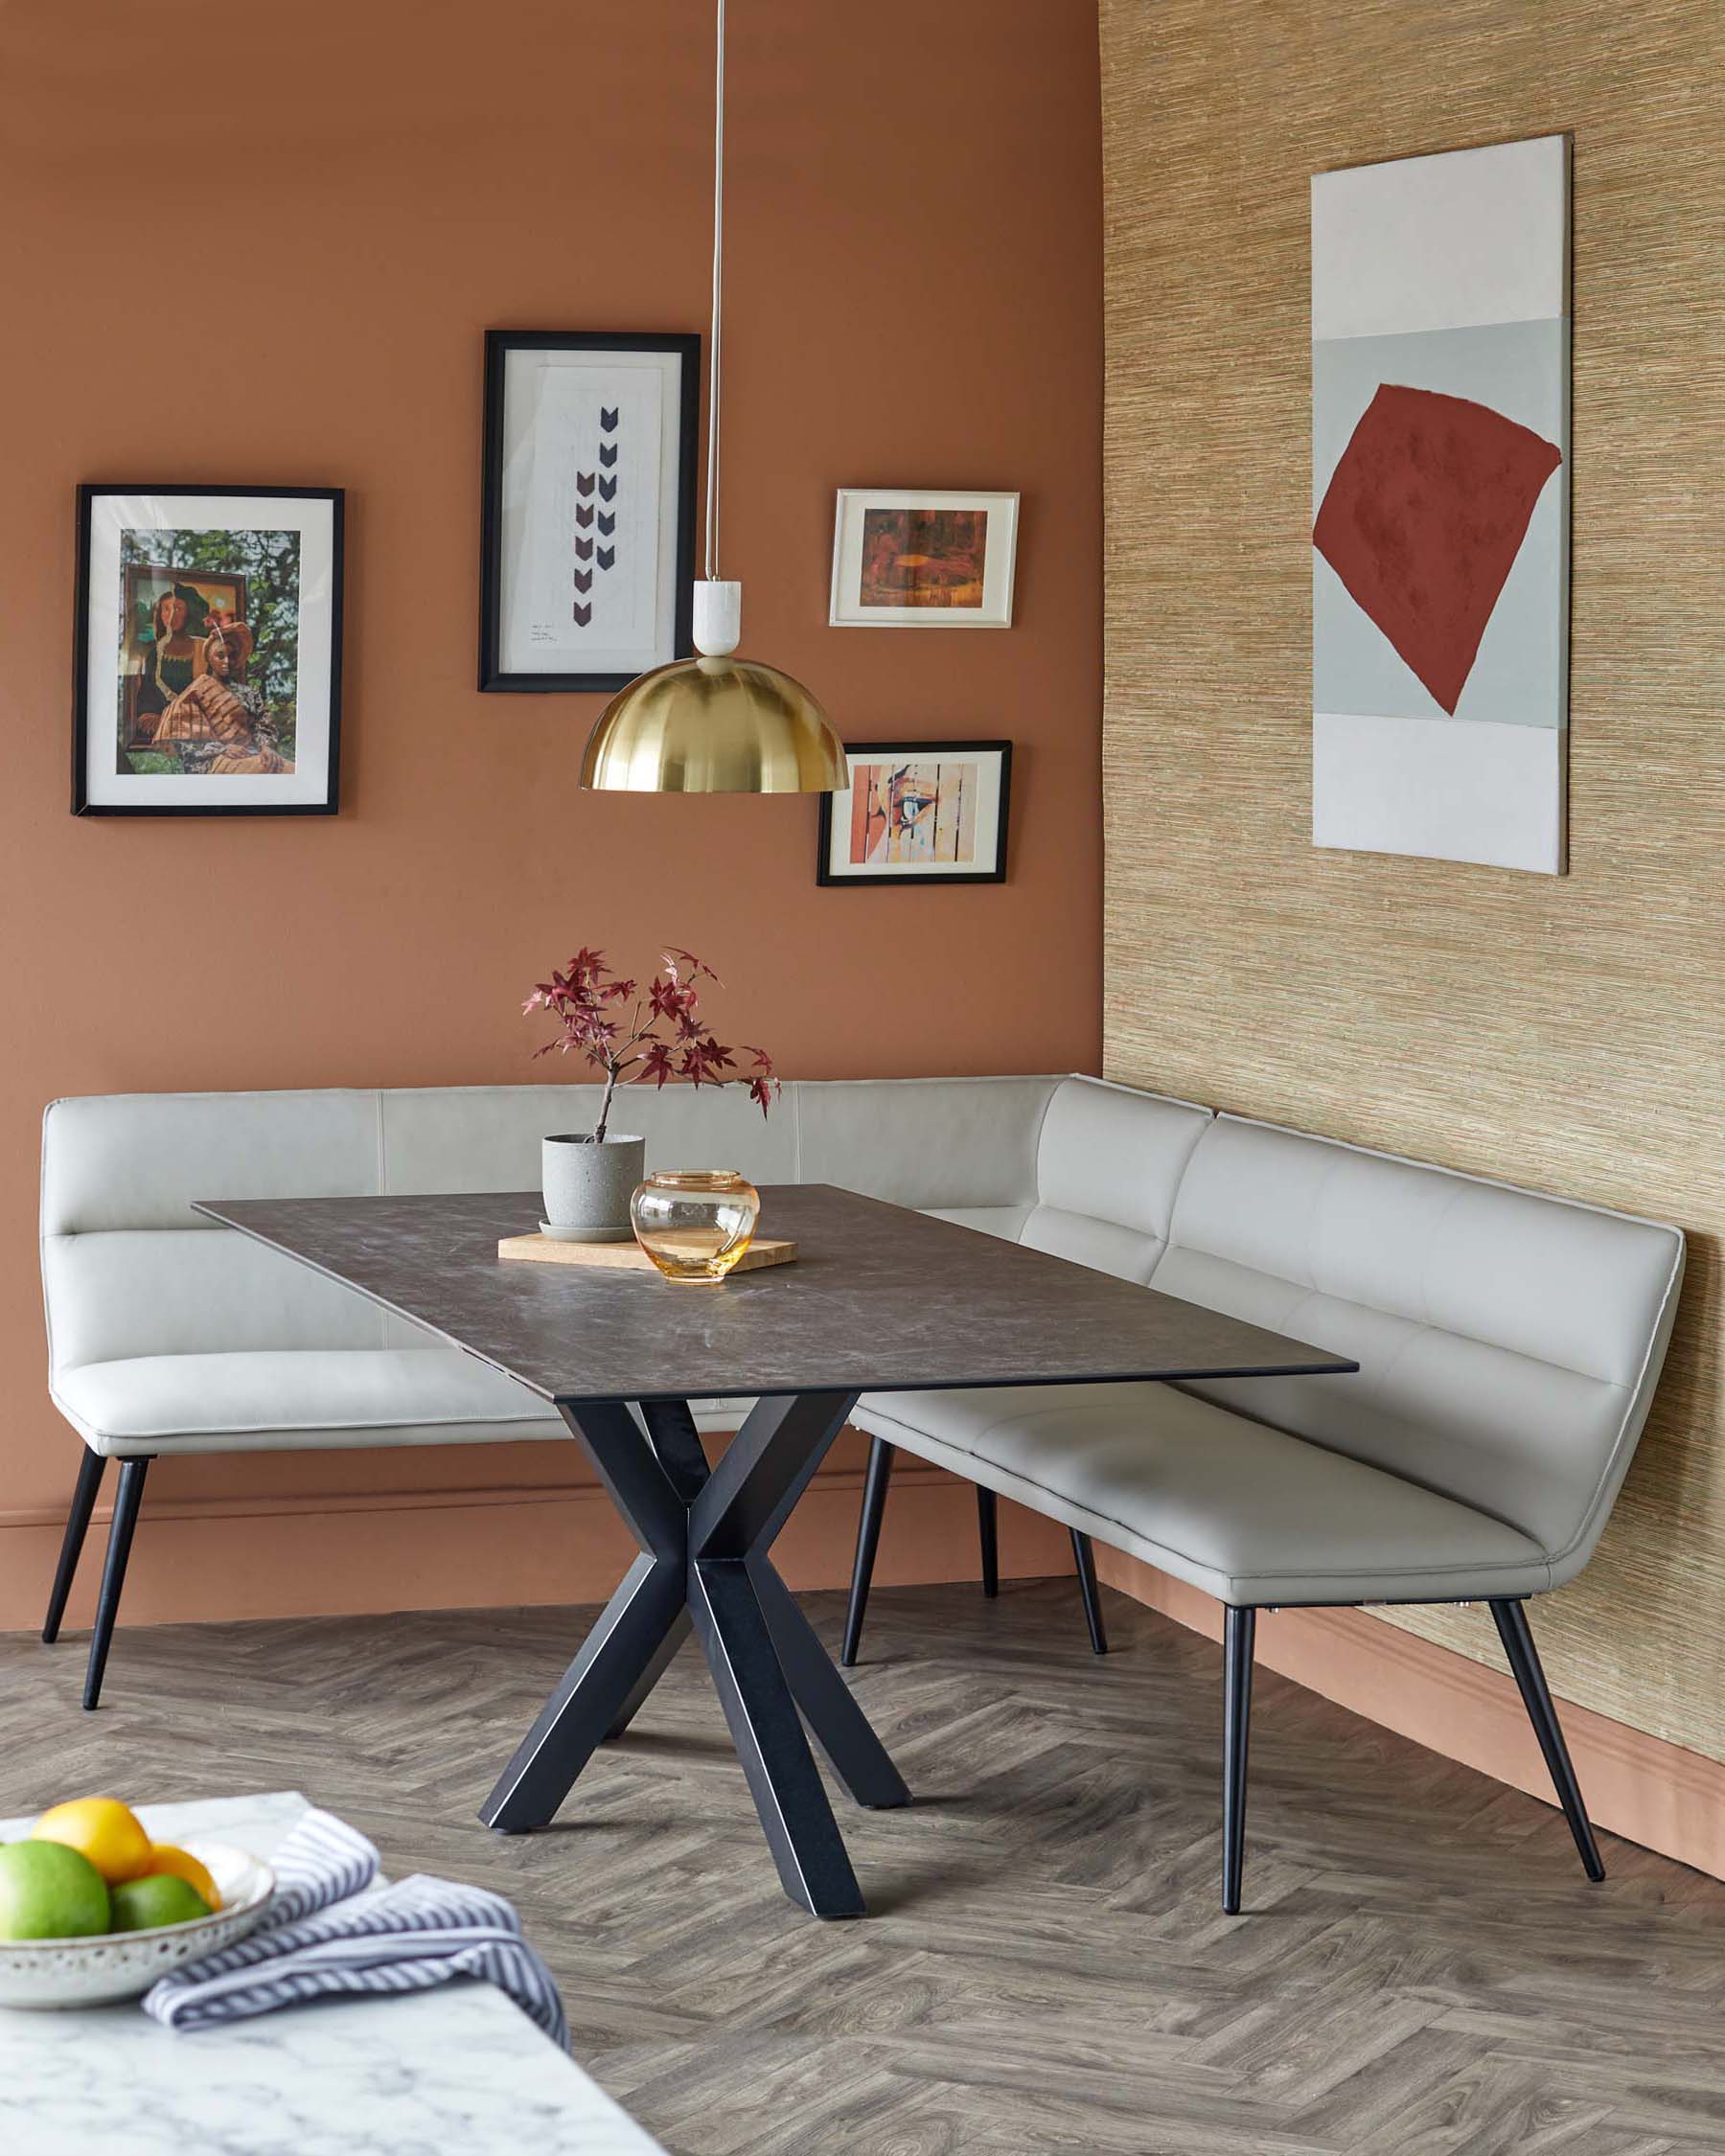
(270, 257)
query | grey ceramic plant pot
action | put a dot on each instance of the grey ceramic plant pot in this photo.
(587, 1186)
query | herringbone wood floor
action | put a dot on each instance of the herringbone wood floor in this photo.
(1422, 1971)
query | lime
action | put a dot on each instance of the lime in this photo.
(140, 1905)
(101, 1828)
(165, 1857)
(50, 1892)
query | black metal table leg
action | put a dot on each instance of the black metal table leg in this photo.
(768, 1732)
(677, 1441)
(604, 1683)
(705, 1538)
(643, 1686)
(769, 1464)
(835, 1722)
(675, 1438)
(593, 1698)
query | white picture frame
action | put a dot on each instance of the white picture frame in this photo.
(927, 545)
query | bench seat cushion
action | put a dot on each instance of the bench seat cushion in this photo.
(1243, 1511)
(292, 1399)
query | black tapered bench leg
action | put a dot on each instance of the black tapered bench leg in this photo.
(77, 1520)
(1530, 1676)
(988, 1533)
(129, 1497)
(1236, 1730)
(1085, 1559)
(868, 1536)
(880, 1455)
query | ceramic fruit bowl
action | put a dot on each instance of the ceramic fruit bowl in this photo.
(109, 1966)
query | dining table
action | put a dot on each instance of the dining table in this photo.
(879, 1299)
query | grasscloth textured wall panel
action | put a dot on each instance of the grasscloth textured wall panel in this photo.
(1566, 1033)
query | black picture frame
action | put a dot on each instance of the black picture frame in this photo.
(494, 679)
(89, 494)
(920, 751)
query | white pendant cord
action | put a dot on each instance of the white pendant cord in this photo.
(717, 624)
(713, 346)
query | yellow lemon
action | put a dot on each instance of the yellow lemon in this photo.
(180, 1863)
(102, 1829)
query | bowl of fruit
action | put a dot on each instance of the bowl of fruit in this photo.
(92, 1911)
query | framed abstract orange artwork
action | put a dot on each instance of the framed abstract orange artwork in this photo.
(917, 813)
(912, 559)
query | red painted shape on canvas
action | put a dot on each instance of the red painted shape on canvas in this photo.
(1423, 519)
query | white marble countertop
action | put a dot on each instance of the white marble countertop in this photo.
(455, 2072)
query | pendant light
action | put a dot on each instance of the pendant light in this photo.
(715, 723)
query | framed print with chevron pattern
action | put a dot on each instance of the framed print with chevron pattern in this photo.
(588, 512)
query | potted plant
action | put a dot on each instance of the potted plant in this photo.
(590, 1175)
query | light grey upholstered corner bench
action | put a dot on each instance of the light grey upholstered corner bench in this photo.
(1508, 1342)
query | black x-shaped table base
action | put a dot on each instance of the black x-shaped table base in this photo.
(704, 1537)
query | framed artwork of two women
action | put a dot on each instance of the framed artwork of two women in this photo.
(208, 676)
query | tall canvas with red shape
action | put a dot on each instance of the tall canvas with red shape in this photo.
(1440, 368)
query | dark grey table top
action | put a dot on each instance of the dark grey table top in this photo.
(881, 1299)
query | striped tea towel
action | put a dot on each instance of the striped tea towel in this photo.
(326, 1934)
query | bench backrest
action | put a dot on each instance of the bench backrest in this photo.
(128, 1269)
(1508, 1342)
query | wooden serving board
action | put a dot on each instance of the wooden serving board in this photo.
(630, 1257)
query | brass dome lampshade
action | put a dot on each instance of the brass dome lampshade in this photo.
(715, 723)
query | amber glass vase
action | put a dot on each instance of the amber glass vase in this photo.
(694, 1222)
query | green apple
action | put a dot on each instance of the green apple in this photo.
(159, 1898)
(48, 1891)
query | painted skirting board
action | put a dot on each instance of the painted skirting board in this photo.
(486, 1546)
(1649, 1792)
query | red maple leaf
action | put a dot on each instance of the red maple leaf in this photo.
(664, 1037)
